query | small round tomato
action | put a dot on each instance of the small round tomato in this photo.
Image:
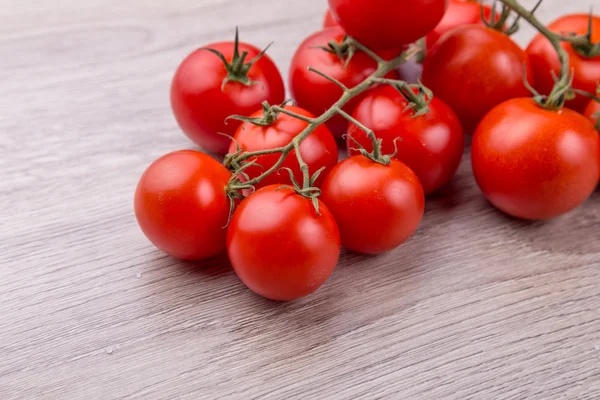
(318, 150)
(534, 163)
(473, 69)
(544, 60)
(377, 207)
(431, 144)
(201, 102)
(329, 20)
(279, 246)
(182, 206)
(592, 111)
(317, 94)
(385, 24)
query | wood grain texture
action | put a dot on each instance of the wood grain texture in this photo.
(475, 306)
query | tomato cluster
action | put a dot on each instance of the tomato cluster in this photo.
(281, 204)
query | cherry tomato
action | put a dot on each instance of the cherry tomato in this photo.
(432, 144)
(592, 111)
(473, 69)
(543, 58)
(533, 163)
(329, 20)
(385, 24)
(279, 246)
(318, 150)
(181, 204)
(201, 103)
(317, 94)
(377, 207)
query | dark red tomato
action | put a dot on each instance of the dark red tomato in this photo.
(315, 93)
(318, 150)
(533, 163)
(278, 245)
(473, 69)
(329, 20)
(200, 104)
(592, 111)
(388, 24)
(432, 144)
(459, 12)
(377, 207)
(543, 59)
(181, 204)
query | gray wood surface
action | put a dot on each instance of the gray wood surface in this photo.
(475, 306)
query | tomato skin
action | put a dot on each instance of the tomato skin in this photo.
(385, 24)
(181, 205)
(201, 107)
(432, 145)
(318, 150)
(543, 59)
(315, 93)
(533, 163)
(592, 109)
(278, 245)
(377, 207)
(329, 20)
(493, 64)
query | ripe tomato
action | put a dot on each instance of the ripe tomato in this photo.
(278, 245)
(181, 204)
(592, 111)
(329, 20)
(543, 58)
(533, 163)
(317, 94)
(473, 69)
(377, 207)
(385, 24)
(318, 150)
(201, 103)
(432, 144)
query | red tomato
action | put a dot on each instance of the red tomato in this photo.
(592, 111)
(432, 144)
(315, 93)
(329, 20)
(543, 59)
(181, 204)
(278, 245)
(473, 69)
(377, 207)
(201, 104)
(533, 163)
(459, 12)
(385, 24)
(318, 150)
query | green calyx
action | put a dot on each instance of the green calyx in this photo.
(238, 68)
(582, 44)
(344, 50)
(269, 115)
(376, 155)
(308, 190)
(417, 102)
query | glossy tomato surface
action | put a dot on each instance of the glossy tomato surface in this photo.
(388, 24)
(181, 204)
(278, 245)
(317, 94)
(377, 207)
(533, 163)
(431, 145)
(473, 69)
(318, 150)
(544, 60)
(201, 107)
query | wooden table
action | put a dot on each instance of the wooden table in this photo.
(476, 306)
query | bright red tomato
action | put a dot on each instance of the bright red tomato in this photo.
(432, 144)
(315, 93)
(201, 104)
(388, 24)
(459, 12)
(318, 150)
(473, 69)
(329, 20)
(592, 111)
(543, 58)
(181, 204)
(377, 207)
(278, 245)
(533, 163)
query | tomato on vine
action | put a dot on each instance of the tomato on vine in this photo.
(220, 80)
(534, 163)
(279, 246)
(181, 204)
